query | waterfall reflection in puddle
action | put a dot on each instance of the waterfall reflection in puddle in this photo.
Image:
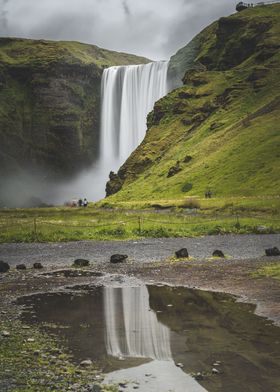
(132, 330)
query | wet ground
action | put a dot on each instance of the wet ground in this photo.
(147, 250)
(161, 338)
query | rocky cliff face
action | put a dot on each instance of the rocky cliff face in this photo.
(218, 130)
(50, 104)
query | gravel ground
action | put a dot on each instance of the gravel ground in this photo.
(237, 246)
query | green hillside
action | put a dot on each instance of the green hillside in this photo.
(220, 130)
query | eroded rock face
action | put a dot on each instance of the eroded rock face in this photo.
(114, 184)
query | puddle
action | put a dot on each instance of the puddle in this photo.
(159, 338)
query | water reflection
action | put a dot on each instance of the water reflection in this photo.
(129, 330)
(131, 327)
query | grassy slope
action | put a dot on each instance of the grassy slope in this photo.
(17, 51)
(226, 117)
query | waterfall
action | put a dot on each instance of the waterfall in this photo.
(132, 328)
(128, 94)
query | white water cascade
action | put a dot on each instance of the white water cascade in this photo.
(132, 329)
(128, 94)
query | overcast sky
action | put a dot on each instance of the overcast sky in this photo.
(152, 28)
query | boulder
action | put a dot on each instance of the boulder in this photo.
(21, 267)
(81, 263)
(4, 267)
(174, 170)
(218, 253)
(37, 266)
(272, 251)
(182, 253)
(115, 259)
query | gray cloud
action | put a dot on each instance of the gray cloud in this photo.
(126, 8)
(151, 28)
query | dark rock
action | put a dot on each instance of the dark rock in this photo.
(21, 267)
(37, 266)
(186, 121)
(81, 263)
(272, 251)
(114, 184)
(115, 259)
(4, 267)
(198, 376)
(174, 170)
(218, 253)
(187, 159)
(182, 253)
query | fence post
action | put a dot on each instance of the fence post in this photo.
(35, 229)
(139, 224)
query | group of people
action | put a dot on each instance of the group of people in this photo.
(82, 203)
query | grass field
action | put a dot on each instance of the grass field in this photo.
(124, 221)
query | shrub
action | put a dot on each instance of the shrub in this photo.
(187, 187)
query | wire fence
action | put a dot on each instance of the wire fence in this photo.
(139, 222)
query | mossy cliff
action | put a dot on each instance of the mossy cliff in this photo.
(50, 103)
(220, 130)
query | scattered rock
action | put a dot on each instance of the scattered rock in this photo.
(21, 267)
(198, 376)
(272, 251)
(187, 159)
(81, 263)
(86, 363)
(4, 267)
(118, 258)
(215, 371)
(182, 253)
(174, 170)
(6, 334)
(37, 266)
(30, 340)
(218, 253)
(180, 365)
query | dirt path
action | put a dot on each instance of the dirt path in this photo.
(147, 250)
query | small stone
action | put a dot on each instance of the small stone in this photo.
(37, 266)
(4, 267)
(218, 253)
(215, 371)
(86, 363)
(36, 353)
(180, 365)
(30, 340)
(216, 364)
(21, 267)
(272, 251)
(6, 334)
(198, 376)
(115, 259)
(148, 374)
(182, 253)
(81, 263)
